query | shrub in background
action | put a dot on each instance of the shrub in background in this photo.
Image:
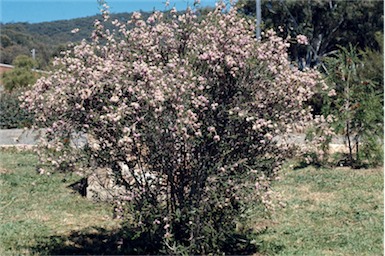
(184, 111)
(21, 75)
(15, 82)
(357, 105)
(11, 115)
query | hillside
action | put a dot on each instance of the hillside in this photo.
(48, 38)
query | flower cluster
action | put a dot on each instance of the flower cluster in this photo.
(302, 39)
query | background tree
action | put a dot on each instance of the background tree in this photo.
(373, 63)
(357, 106)
(326, 24)
(8, 54)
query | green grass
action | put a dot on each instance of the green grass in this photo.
(328, 212)
(38, 212)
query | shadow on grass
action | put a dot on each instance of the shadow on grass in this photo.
(94, 241)
(99, 241)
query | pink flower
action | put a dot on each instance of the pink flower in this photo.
(332, 93)
(136, 15)
(140, 23)
(85, 94)
(114, 99)
(302, 39)
(135, 105)
(167, 235)
(211, 129)
(151, 19)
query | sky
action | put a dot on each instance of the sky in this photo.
(34, 11)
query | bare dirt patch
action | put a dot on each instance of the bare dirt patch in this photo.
(4, 171)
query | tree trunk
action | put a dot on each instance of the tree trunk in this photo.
(349, 144)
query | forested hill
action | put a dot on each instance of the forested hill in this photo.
(47, 38)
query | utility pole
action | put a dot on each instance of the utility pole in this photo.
(259, 18)
(33, 51)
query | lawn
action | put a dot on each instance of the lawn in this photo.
(328, 212)
(39, 214)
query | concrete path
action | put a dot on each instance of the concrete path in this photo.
(15, 137)
(29, 138)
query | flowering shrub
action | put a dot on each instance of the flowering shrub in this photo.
(190, 107)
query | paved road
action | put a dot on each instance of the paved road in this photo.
(18, 137)
(9, 137)
(21, 137)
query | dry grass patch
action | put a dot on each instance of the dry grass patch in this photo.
(307, 194)
(4, 171)
(328, 212)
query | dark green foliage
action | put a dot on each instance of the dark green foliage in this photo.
(357, 105)
(19, 41)
(15, 82)
(9, 53)
(373, 63)
(326, 23)
(11, 115)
